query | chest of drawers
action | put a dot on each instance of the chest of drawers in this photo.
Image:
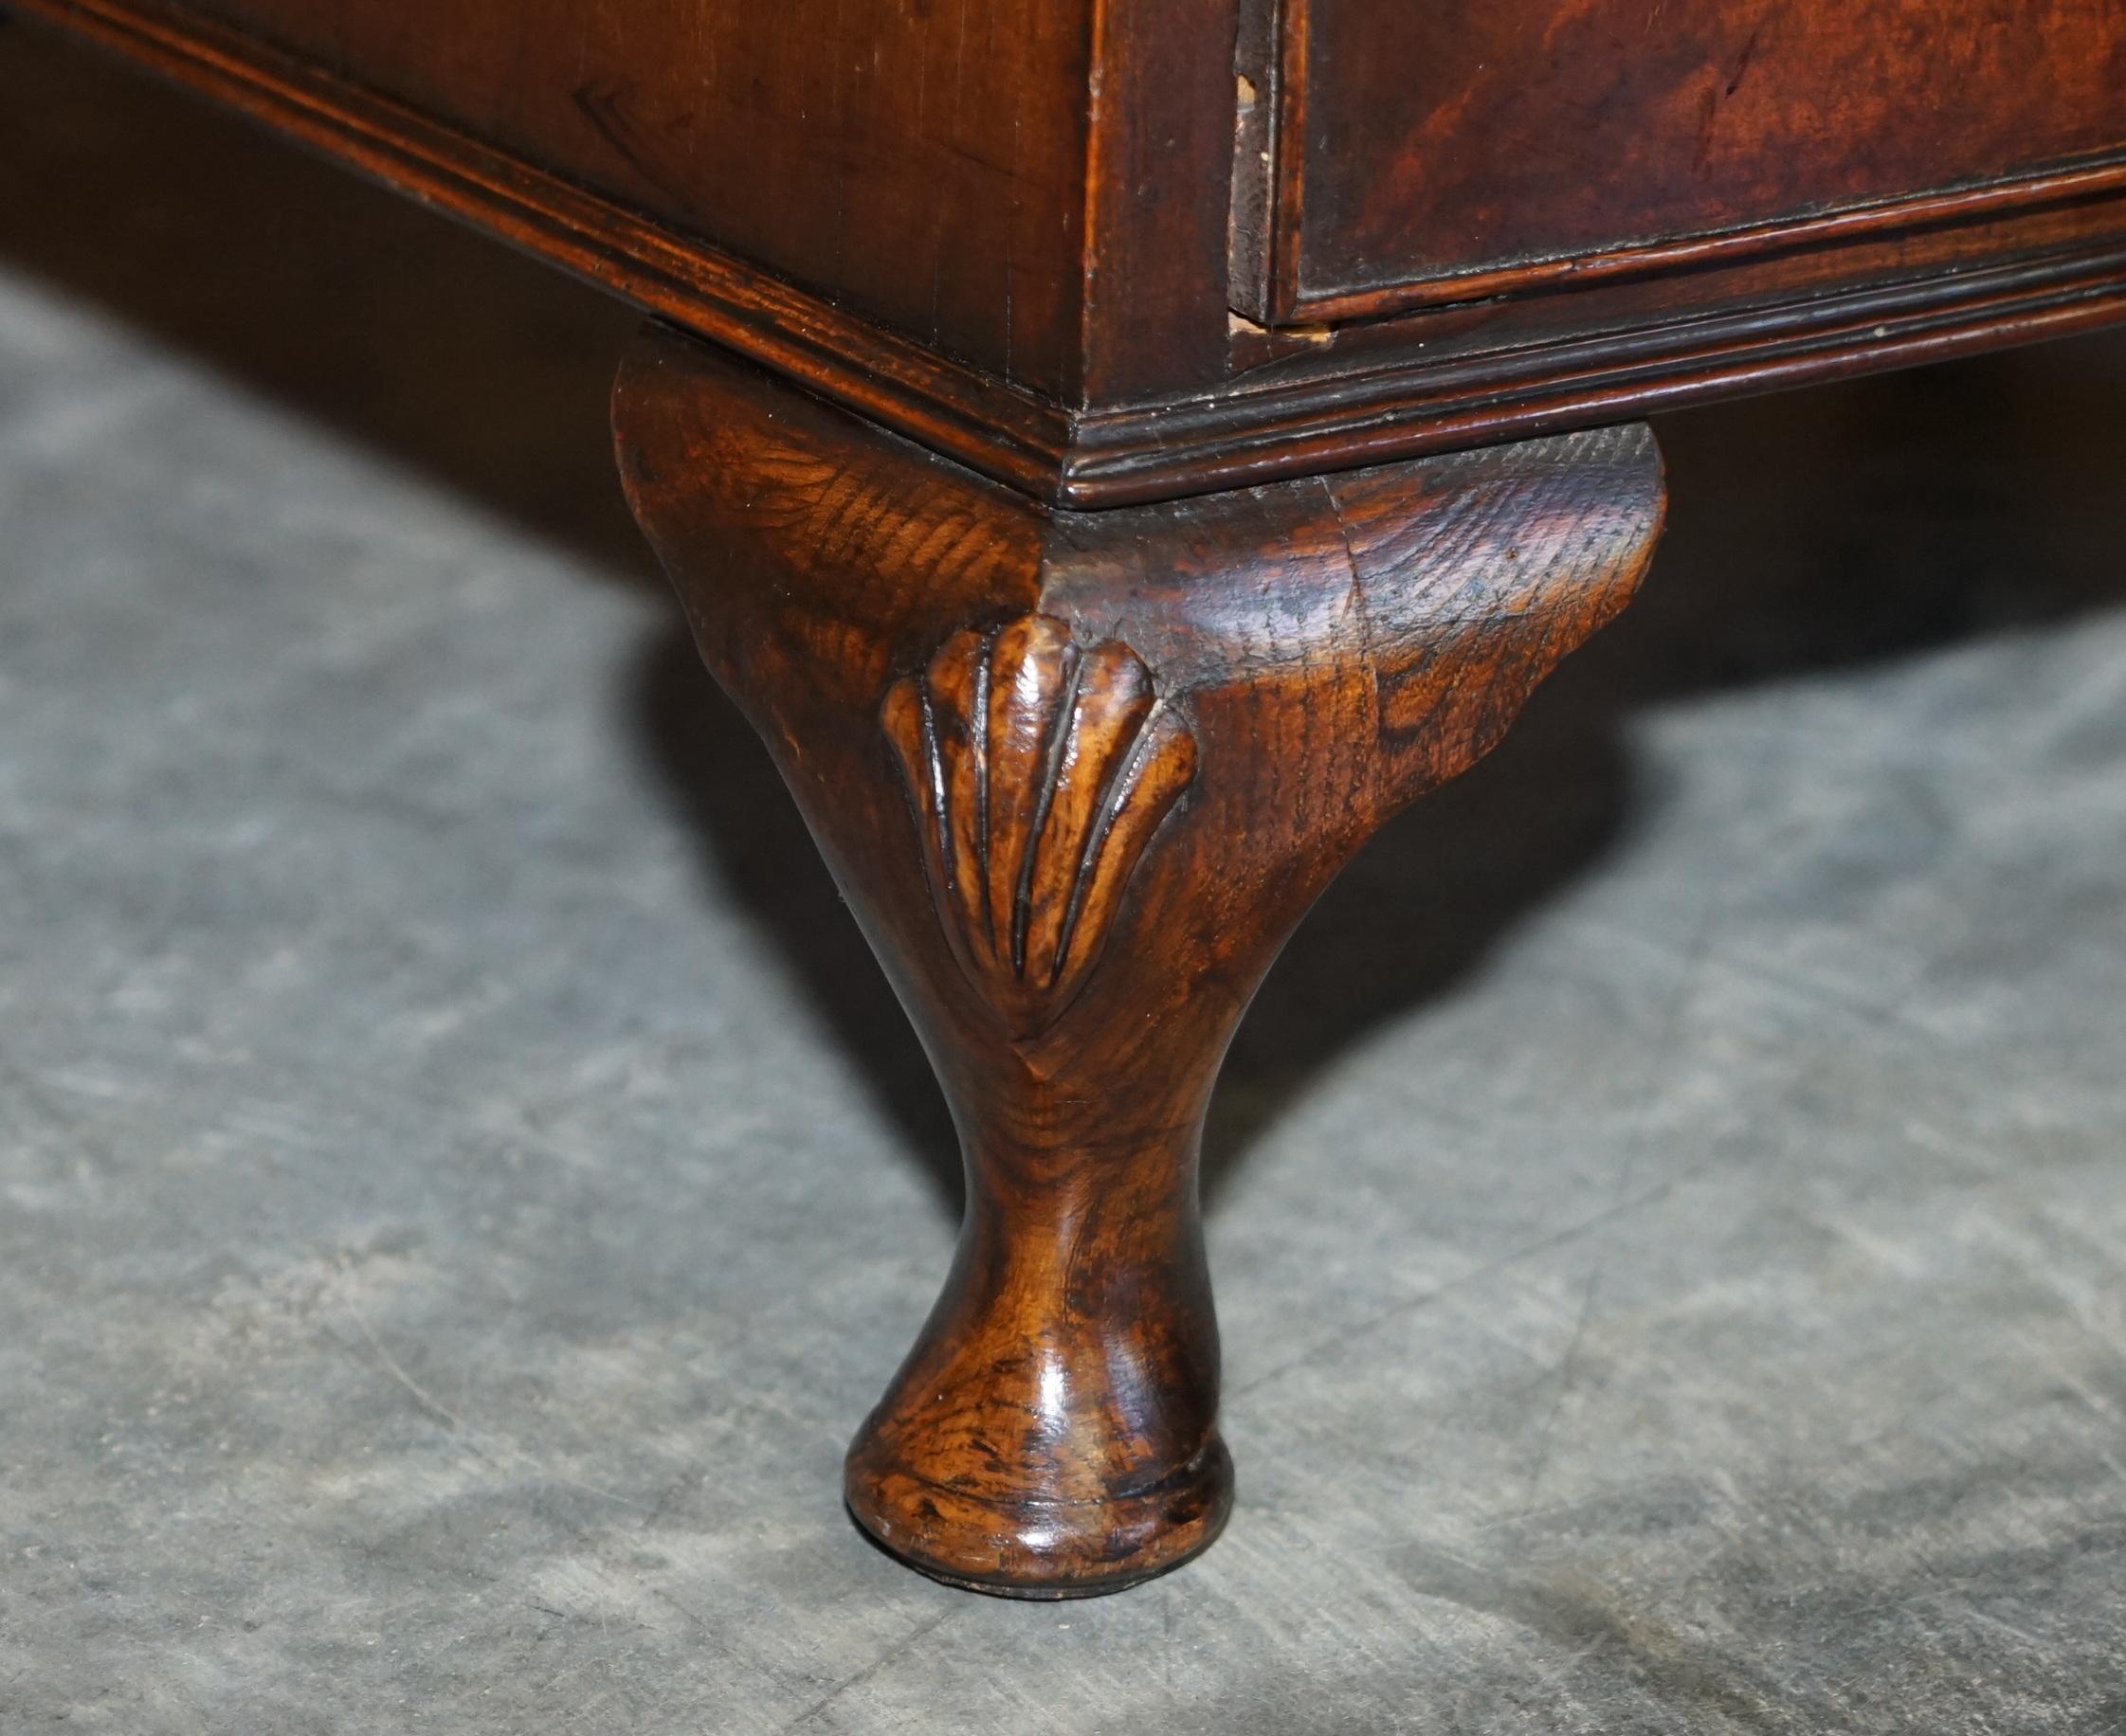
(1119, 451)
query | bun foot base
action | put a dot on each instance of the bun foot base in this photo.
(1044, 1551)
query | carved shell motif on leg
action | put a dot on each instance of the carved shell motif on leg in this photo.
(1038, 773)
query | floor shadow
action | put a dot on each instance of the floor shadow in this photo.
(1857, 523)
(757, 849)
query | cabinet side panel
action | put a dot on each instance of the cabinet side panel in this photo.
(919, 162)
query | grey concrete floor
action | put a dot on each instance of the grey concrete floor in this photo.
(461, 1179)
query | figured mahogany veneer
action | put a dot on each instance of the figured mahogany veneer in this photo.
(1711, 131)
(1079, 776)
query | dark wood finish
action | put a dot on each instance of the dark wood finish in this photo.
(1000, 429)
(1079, 776)
(923, 165)
(1457, 377)
(1042, 285)
(1161, 155)
(1080, 773)
(1443, 152)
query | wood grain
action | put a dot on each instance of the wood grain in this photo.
(1079, 776)
(1710, 128)
(920, 308)
(920, 165)
(1036, 775)
(947, 404)
(1457, 378)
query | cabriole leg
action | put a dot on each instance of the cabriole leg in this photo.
(1079, 776)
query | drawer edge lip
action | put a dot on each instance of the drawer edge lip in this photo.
(2032, 191)
(1235, 441)
(950, 407)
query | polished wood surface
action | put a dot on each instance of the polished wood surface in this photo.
(1131, 350)
(1080, 773)
(1467, 147)
(1002, 429)
(923, 165)
(1079, 776)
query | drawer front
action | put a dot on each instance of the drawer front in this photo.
(1428, 151)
